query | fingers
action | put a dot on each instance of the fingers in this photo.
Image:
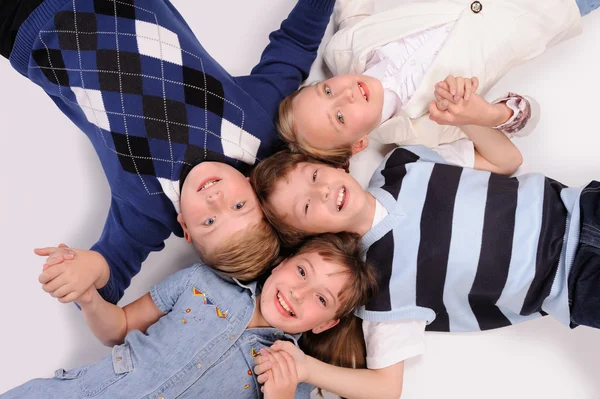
(443, 85)
(60, 256)
(55, 285)
(71, 297)
(434, 112)
(63, 291)
(51, 273)
(442, 105)
(290, 364)
(451, 81)
(47, 251)
(269, 380)
(279, 369)
(468, 89)
(460, 88)
(280, 345)
(55, 255)
(443, 93)
(261, 365)
(474, 84)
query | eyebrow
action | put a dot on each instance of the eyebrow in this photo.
(247, 209)
(302, 173)
(320, 93)
(244, 212)
(318, 89)
(332, 122)
(326, 289)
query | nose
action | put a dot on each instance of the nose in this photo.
(215, 198)
(323, 192)
(348, 94)
(298, 293)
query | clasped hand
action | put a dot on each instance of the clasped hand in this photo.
(71, 274)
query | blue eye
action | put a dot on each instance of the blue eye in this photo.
(340, 117)
(239, 205)
(209, 221)
(327, 91)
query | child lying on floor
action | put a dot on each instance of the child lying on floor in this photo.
(196, 334)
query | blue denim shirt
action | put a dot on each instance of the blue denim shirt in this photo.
(199, 349)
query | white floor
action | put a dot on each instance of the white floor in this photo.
(55, 191)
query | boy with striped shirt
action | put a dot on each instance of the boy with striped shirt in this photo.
(457, 249)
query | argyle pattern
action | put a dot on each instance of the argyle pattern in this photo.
(148, 98)
(135, 79)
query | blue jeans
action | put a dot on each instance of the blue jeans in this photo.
(587, 6)
(584, 278)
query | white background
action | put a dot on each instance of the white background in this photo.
(54, 190)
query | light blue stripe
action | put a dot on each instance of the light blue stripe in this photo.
(557, 303)
(528, 224)
(425, 154)
(407, 234)
(465, 247)
(377, 180)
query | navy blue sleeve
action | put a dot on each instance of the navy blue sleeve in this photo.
(287, 59)
(128, 237)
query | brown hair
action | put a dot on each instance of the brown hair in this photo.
(289, 133)
(264, 177)
(246, 254)
(342, 345)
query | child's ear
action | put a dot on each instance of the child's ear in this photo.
(325, 326)
(360, 144)
(186, 234)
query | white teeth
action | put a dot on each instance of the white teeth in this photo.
(209, 184)
(362, 91)
(284, 305)
(340, 197)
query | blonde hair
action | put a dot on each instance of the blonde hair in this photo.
(296, 143)
(342, 345)
(246, 254)
(263, 179)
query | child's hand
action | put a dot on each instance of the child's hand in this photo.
(282, 376)
(475, 111)
(88, 296)
(62, 253)
(454, 88)
(77, 271)
(263, 363)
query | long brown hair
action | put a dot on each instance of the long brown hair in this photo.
(342, 345)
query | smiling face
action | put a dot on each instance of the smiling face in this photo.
(216, 201)
(316, 198)
(339, 111)
(302, 294)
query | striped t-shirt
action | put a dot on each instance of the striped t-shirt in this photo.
(469, 250)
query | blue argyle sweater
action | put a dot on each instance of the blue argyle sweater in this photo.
(468, 250)
(134, 78)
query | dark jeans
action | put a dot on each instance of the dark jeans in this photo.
(12, 14)
(584, 278)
